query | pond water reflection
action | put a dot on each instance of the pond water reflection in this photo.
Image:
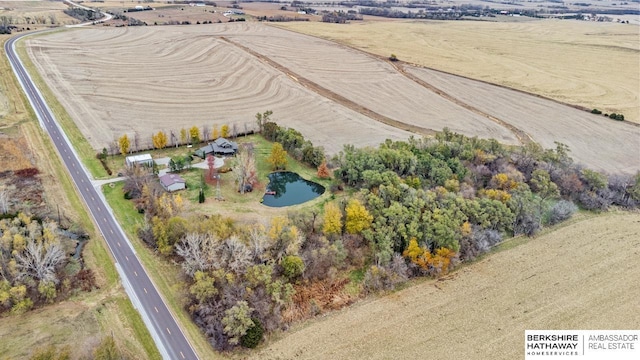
(288, 188)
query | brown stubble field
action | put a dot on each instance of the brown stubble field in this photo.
(594, 65)
(580, 276)
(600, 142)
(116, 81)
(22, 13)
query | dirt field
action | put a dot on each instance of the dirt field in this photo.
(177, 14)
(545, 121)
(365, 80)
(193, 79)
(274, 9)
(581, 276)
(328, 92)
(594, 65)
(24, 13)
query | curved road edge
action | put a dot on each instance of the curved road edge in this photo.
(160, 321)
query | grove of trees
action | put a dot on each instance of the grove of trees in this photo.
(34, 268)
(412, 208)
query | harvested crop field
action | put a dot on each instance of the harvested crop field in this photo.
(594, 65)
(177, 14)
(142, 80)
(35, 13)
(365, 80)
(581, 276)
(598, 141)
(126, 80)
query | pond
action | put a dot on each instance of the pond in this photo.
(288, 188)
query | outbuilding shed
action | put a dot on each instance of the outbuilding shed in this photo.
(172, 182)
(142, 159)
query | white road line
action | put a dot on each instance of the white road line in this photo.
(156, 309)
(168, 331)
(119, 244)
(145, 290)
(111, 230)
(126, 257)
(181, 354)
(136, 273)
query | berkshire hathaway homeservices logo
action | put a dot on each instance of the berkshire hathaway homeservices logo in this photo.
(582, 344)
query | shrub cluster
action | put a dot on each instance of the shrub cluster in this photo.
(102, 156)
(295, 144)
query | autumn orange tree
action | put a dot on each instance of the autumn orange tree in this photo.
(435, 264)
(323, 170)
(278, 157)
(159, 140)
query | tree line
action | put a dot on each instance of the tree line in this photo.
(194, 135)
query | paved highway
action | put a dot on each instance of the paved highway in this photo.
(161, 323)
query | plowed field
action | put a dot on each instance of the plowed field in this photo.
(142, 80)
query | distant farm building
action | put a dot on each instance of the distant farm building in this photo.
(220, 146)
(172, 182)
(142, 159)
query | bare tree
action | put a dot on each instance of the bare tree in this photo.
(234, 130)
(113, 147)
(205, 133)
(135, 178)
(245, 169)
(258, 243)
(172, 138)
(39, 261)
(200, 252)
(4, 201)
(236, 255)
(136, 141)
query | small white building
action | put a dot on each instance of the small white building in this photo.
(142, 159)
(172, 182)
